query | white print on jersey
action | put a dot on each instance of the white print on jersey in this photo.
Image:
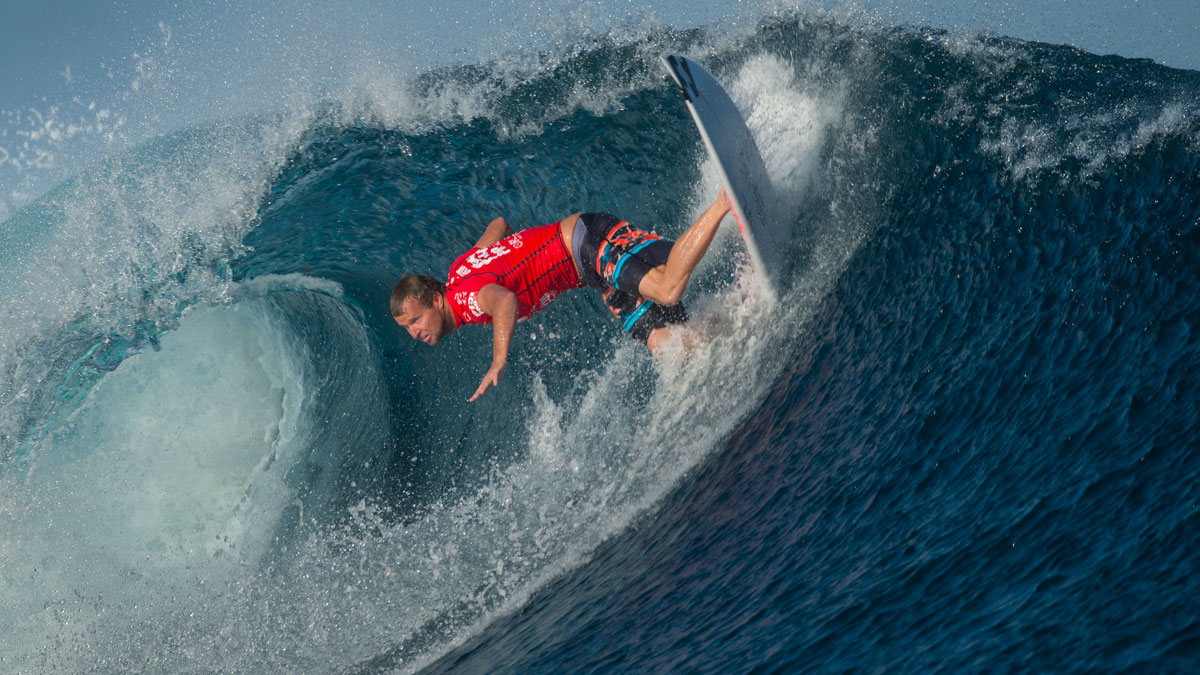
(471, 300)
(486, 255)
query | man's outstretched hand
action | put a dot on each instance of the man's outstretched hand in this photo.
(501, 304)
(491, 379)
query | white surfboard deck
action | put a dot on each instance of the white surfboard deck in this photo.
(740, 166)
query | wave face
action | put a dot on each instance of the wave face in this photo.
(965, 438)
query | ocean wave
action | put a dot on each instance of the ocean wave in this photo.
(238, 451)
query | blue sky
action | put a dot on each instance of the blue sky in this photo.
(52, 48)
(71, 69)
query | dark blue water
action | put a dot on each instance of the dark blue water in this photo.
(965, 440)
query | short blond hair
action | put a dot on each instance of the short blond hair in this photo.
(420, 287)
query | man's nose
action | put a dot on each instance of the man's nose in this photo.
(412, 331)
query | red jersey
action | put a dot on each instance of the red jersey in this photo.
(534, 264)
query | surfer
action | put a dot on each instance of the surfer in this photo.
(507, 276)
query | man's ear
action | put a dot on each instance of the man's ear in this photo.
(439, 300)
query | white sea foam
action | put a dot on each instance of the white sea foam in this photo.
(171, 474)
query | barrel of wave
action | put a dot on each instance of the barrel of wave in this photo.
(169, 477)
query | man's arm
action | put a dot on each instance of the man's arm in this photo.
(501, 304)
(496, 230)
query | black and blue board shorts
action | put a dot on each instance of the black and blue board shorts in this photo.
(614, 256)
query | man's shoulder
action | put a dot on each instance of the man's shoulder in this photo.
(485, 259)
(459, 270)
(466, 266)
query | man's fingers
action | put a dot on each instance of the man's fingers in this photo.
(487, 383)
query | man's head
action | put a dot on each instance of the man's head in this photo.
(419, 305)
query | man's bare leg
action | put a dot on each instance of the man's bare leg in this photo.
(666, 283)
(657, 337)
(697, 334)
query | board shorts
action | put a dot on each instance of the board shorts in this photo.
(614, 256)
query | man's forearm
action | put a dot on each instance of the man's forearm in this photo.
(504, 324)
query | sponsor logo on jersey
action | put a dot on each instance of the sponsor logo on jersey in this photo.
(483, 256)
(468, 301)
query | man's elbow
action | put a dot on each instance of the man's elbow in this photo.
(510, 304)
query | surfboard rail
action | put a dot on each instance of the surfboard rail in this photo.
(740, 166)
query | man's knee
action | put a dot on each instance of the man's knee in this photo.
(673, 294)
(657, 287)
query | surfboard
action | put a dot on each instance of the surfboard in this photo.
(740, 166)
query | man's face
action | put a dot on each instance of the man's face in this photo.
(426, 324)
